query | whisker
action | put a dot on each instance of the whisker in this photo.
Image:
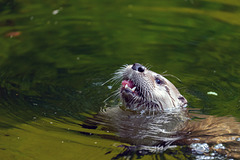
(164, 72)
(108, 81)
(117, 81)
(114, 93)
(117, 76)
(148, 66)
(180, 88)
(116, 97)
(170, 75)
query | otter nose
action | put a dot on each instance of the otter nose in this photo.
(138, 67)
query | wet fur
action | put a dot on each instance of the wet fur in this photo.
(153, 97)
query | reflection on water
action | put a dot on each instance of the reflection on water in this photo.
(55, 56)
(205, 137)
(149, 130)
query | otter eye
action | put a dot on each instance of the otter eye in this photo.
(158, 81)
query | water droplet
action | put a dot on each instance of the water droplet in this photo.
(219, 146)
(200, 148)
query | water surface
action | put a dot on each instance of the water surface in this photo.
(55, 56)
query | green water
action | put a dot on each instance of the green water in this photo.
(56, 54)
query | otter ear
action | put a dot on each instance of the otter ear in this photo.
(182, 99)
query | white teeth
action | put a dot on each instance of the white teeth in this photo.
(133, 89)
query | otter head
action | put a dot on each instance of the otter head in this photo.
(146, 91)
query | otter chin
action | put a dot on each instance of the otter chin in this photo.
(146, 91)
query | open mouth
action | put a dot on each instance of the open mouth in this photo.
(129, 87)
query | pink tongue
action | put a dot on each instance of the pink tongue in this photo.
(129, 83)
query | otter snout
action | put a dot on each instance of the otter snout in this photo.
(138, 67)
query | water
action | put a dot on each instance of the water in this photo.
(55, 56)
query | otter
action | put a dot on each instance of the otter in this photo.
(154, 116)
(152, 110)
